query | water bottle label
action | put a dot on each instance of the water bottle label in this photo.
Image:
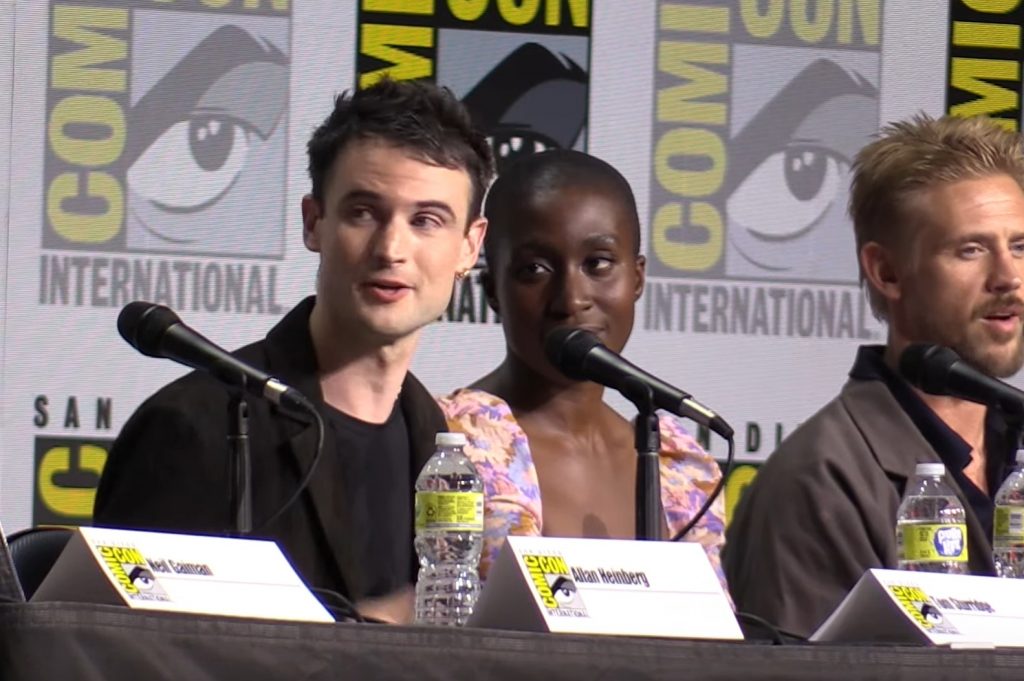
(450, 511)
(1009, 524)
(933, 543)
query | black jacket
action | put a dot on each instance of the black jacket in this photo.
(167, 469)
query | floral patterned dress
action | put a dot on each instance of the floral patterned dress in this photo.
(512, 505)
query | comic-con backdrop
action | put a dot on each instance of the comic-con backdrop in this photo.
(154, 150)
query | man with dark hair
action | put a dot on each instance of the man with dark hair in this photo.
(398, 176)
(938, 214)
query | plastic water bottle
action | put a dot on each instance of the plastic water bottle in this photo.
(1008, 525)
(931, 525)
(449, 534)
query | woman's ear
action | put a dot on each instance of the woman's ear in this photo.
(487, 282)
(641, 276)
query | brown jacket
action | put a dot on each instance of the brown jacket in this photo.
(823, 510)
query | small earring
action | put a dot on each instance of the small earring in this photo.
(461, 274)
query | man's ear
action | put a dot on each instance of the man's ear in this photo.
(472, 241)
(312, 212)
(880, 269)
(640, 270)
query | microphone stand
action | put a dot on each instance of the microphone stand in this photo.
(648, 472)
(239, 465)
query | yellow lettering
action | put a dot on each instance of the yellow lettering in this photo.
(73, 502)
(399, 6)
(699, 19)
(971, 75)
(762, 23)
(278, 5)
(870, 21)
(982, 34)
(992, 6)
(676, 103)
(78, 70)
(807, 29)
(688, 257)
(96, 112)
(735, 485)
(684, 143)
(125, 554)
(77, 228)
(216, 4)
(579, 12)
(518, 12)
(379, 41)
(467, 10)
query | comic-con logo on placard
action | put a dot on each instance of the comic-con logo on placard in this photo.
(165, 133)
(522, 69)
(553, 581)
(759, 110)
(132, 573)
(922, 609)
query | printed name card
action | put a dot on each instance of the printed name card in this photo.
(605, 586)
(899, 606)
(180, 573)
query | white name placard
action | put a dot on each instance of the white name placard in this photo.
(605, 586)
(180, 573)
(921, 607)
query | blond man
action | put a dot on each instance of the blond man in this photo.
(938, 212)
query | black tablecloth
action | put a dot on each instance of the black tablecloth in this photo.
(66, 642)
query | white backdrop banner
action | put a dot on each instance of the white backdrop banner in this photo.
(158, 153)
(7, 9)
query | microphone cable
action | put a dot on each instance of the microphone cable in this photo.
(714, 493)
(304, 482)
(341, 608)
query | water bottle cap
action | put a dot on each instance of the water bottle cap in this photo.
(450, 439)
(930, 469)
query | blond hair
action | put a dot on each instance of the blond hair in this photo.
(918, 154)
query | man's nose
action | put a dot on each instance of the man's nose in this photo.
(391, 241)
(1006, 272)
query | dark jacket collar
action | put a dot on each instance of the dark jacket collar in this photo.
(291, 358)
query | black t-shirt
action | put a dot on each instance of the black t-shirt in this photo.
(375, 495)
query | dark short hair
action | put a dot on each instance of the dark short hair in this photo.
(546, 172)
(422, 118)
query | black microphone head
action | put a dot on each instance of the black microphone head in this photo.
(927, 366)
(143, 325)
(567, 347)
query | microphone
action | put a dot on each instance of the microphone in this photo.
(156, 331)
(937, 370)
(580, 355)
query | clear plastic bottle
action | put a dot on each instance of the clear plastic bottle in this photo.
(1008, 524)
(449, 534)
(931, 525)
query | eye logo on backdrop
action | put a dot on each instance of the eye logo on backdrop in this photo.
(521, 69)
(166, 131)
(533, 99)
(759, 111)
